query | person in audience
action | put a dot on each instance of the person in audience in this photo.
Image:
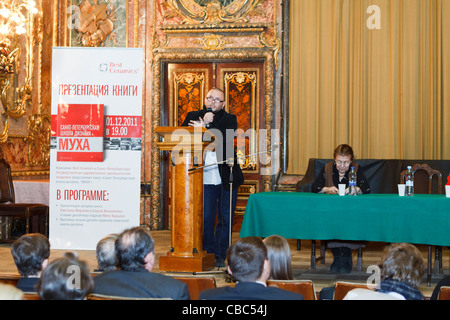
(332, 174)
(135, 252)
(10, 292)
(402, 271)
(65, 278)
(279, 255)
(105, 253)
(248, 263)
(30, 252)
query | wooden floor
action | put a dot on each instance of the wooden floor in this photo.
(300, 261)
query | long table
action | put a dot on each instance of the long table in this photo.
(421, 219)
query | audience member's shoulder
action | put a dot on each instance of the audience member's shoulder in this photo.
(215, 293)
(367, 294)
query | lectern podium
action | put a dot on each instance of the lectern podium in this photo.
(186, 147)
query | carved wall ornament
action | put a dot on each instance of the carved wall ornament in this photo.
(39, 127)
(96, 23)
(13, 99)
(213, 42)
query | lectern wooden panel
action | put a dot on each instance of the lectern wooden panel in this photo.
(186, 147)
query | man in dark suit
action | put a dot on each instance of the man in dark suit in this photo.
(250, 266)
(135, 252)
(216, 178)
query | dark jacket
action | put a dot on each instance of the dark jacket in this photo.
(27, 284)
(223, 121)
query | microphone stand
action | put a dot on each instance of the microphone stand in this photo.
(230, 162)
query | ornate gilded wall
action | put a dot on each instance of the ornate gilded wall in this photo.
(24, 104)
(171, 30)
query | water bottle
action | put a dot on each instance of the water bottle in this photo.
(352, 182)
(409, 181)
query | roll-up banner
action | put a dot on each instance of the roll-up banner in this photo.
(95, 152)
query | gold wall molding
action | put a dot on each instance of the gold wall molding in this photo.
(159, 59)
(213, 26)
(212, 12)
(25, 118)
(39, 128)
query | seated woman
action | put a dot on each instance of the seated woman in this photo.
(335, 173)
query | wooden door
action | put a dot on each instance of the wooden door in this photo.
(187, 85)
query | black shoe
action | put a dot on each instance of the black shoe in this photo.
(219, 262)
(347, 263)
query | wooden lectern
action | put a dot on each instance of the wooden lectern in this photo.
(186, 147)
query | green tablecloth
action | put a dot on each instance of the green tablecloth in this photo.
(422, 219)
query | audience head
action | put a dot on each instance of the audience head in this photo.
(135, 249)
(247, 260)
(66, 278)
(403, 262)
(31, 252)
(279, 255)
(105, 252)
(9, 292)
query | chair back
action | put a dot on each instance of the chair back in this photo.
(341, 288)
(444, 293)
(197, 284)
(6, 184)
(424, 177)
(9, 278)
(304, 287)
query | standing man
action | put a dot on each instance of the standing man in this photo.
(216, 178)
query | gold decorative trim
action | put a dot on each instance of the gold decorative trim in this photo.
(17, 100)
(39, 128)
(30, 173)
(213, 42)
(159, 59)
(224, 28)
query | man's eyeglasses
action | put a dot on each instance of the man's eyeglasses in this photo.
(212, 99)
(343, 163)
